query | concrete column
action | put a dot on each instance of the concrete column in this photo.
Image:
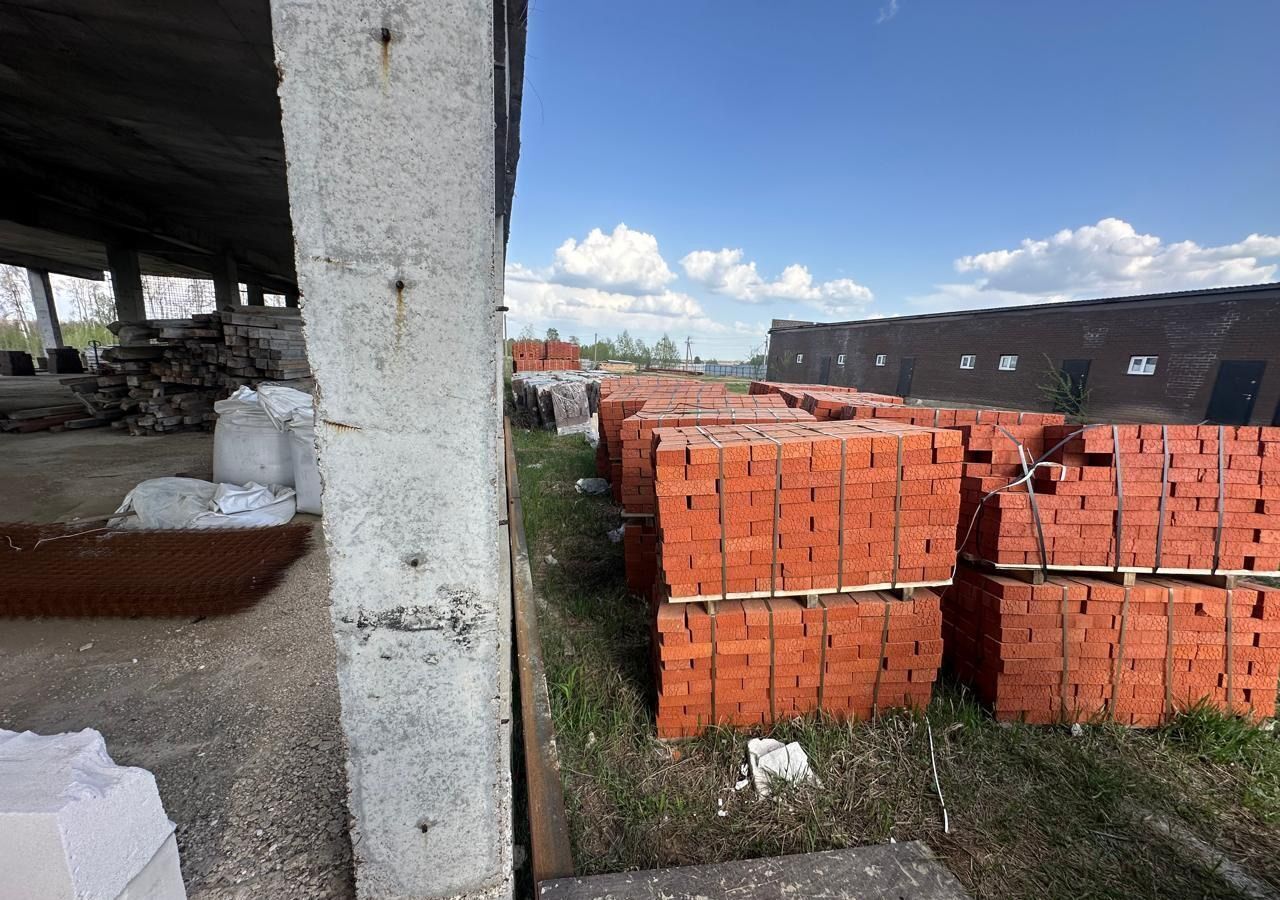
(291, 298)
(394, 246)
(126, 283)
(46, 311)
(226, 281)
(254, 295)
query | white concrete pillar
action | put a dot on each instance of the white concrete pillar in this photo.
(126, 283)
(226, 281)
(254, 295)
(394, 247)
(46, 311)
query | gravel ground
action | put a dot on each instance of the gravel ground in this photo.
(236, 716)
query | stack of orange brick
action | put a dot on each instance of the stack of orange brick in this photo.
(625, 401)
(945, 418)
(1147, 498)
(766, 510)
(544, 356)
(754, 662)
(1080, 648)
(777, 387)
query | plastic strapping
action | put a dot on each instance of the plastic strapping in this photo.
(1035, 507)
(840, 523)
(897, 513)
(711, 611)
(1222, 502)
(1115, 444)
(1164, 493)
(884, 641)
(822, 656)
(1117, 673)
(1168, 658)
(1230, 641)
(1065, 684)
(724, 550)
(773, 673)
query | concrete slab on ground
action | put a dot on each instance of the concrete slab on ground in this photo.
(236, 716)
(883, 872)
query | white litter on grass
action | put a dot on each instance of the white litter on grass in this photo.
(771, 761)
(552, 561)
(720, 810)
(592, 486)
(615, 535)
(1077, 730)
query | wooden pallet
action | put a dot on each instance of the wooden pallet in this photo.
(904, 591)
(1126, 575)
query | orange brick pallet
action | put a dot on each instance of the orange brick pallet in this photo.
(754, 662)
(1081, 648)
(748, 511)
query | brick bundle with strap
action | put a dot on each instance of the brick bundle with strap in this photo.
(770, 510)
(1082, 648)
(754, 662)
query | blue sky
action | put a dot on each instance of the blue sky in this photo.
(830, 161)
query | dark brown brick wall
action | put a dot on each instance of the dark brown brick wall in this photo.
(1190, 333)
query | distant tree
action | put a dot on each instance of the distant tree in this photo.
(710, 362)
(697, 359)
(553, 334)
(625, 347)
(573, 339)
(757, 360)
(642, 355)
(665, 352)
(526, 333)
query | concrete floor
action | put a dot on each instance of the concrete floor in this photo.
(237, 716)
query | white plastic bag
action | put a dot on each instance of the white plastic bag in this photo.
(247, 445)
(306, 470)
(193, 503)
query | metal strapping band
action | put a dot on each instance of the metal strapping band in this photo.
(1222, 502)
(1115, 446)
(935, 416)
(897, 513)
(1117, 673)
(711, 610)
(1164, 493)
(773, 666)
(822, 656)
(724, 550)
(884, 641)
(840, 523)
(1168, 658)
(1231, 683)
(1065, 683)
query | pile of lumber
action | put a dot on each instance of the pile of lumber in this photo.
(771, 510)
(264, 343)
(1081, 648)
(48, 418)
(545, 356)
(1173, 499)
(753, 662)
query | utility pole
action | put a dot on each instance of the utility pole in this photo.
(595, 350)
(688, 353)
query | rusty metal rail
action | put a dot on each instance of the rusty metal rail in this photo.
(552, 856)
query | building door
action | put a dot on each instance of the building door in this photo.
(825, 377)
(906, 369)
(1235, 391)
(1075, 381)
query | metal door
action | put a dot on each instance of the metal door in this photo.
(825, 377)
(1235, 391)
(906, 369)
(1075, 378)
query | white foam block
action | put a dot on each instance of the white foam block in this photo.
(73, 824)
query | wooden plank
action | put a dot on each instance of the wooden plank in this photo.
(45, 412)
(847, 589)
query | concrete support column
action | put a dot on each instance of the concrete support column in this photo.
(126, 283)
(394, 246)
(226, 281)
(254, 295)
(46, 311)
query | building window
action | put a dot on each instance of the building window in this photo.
(799, 357)
(1008, 363)
(967, 361)
(881, 359)
(1142, 365)
(840, 360)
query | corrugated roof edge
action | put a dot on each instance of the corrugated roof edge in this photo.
(1272, 286)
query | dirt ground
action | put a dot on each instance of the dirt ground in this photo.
(237, 717)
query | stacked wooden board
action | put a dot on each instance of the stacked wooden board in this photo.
(1079, 648)
(771, 510)
(264, 343)
(753, 662)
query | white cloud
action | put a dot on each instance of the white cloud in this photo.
(724, 272)
(626, 261)
(1107, 259)
(887, 12)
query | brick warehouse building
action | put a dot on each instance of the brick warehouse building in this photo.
(1191, 356)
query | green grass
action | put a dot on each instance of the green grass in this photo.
(1034, 811)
